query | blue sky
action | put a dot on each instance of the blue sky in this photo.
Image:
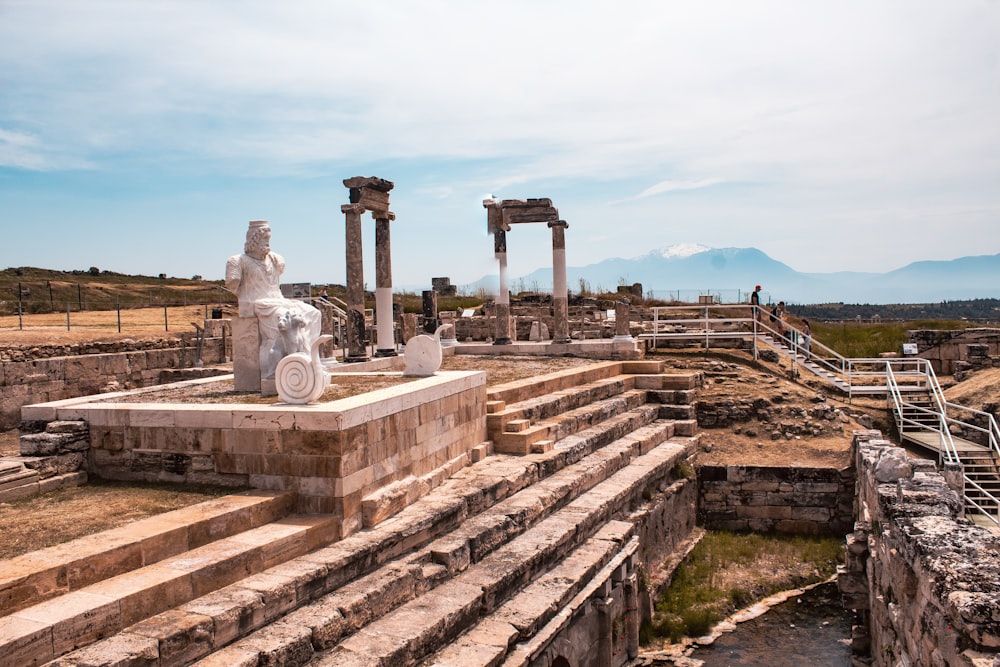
(141, 137)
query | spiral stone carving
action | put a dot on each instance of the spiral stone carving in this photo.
(297, 380)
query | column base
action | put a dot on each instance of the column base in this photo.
(386, 353)
(503, 341)
(356, 360)
(623, 339)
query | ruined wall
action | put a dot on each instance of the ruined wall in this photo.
(36, 375)
(800, 501)
(600, 626)
(923, 579)
(954, 351)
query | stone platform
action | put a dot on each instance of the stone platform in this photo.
(604, 348)
(533, 559)
(351, 457)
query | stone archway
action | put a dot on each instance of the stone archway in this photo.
(500, 215)
(368, 194)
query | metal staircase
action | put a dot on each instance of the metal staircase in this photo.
(923, 416)
(959, 434)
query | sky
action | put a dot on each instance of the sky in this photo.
(142, 137)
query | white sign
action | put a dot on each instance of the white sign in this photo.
(909, 348)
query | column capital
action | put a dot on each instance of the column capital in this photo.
(558, 223)
(383, 215)
(352, 208)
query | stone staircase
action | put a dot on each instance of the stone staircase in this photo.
(492, 567)
(49, 460)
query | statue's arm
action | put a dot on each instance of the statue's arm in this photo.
(234, 274)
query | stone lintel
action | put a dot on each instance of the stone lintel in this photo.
(373, 182)
(372, 200)
(530, 215)
(526, 203)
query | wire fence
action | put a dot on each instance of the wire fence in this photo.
(121, 318)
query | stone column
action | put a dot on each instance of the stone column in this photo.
(622, 332)
(409, 326)
(386, 346)
(355, 285)
(430, 311)
(503, 296)
(560, 301)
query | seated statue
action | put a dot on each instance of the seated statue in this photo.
(286, 326)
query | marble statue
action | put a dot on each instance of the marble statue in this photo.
(286, 326)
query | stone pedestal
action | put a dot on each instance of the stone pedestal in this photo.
(622, 332)
(246, 354)
(409, 326)
(430, 311)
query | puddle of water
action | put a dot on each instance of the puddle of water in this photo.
(812, 628)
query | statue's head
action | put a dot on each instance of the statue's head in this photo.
(258, 242)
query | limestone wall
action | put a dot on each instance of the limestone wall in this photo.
(362, 458)
(923, 579)
(31, 375)
(952, 351)
(802, 501)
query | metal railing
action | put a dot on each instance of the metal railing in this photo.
(904, 410)
(897, 378)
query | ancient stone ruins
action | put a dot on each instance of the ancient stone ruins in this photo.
(439, 519)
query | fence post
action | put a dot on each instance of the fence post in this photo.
(67, 316)
(118, 307)
(165, 327)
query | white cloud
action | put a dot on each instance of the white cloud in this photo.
(674, 186)
(825, 108)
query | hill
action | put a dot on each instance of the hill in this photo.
(734, 271)
(45, 290)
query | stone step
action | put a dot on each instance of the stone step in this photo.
(36, 483)
(47, 630)
(565, 423)
(401, 623)
(9, 467)
(544, 607)
(670, 411)
(523, 390)
(40, 575)
(672, 396)
(418, 562)
(533, 410)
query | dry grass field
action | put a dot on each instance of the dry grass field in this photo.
(101, 325)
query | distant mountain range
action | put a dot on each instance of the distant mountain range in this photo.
(689, 270)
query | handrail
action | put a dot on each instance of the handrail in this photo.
(992, 430)
(896, 376)
(947, 447)
(993, 515)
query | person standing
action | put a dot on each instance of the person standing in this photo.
(755, 302)
(806, 336)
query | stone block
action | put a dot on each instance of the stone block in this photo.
(246, 354)
(181, 636)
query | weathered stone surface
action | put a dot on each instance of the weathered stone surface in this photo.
(931, 579)
(893, 465)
